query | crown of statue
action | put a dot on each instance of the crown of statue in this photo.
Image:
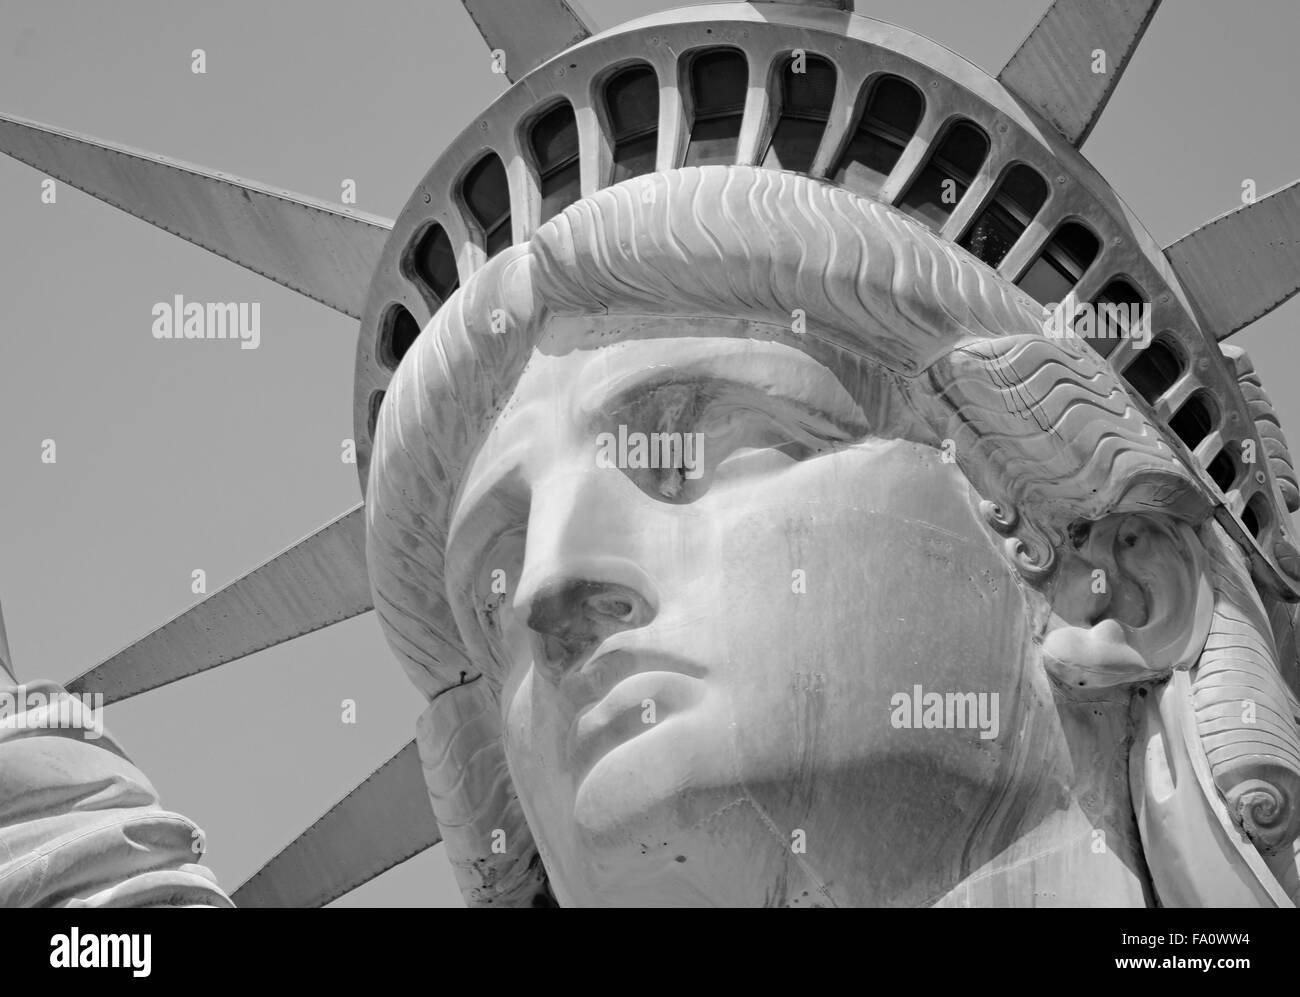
(990, 164)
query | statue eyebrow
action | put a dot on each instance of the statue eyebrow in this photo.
(608, 395)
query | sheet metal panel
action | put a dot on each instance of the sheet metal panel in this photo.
(1052, 70)
(528, 31)
(1240, 266)
(385, 820)
(324, 251)
(318, 581)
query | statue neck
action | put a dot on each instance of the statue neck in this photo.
(1085, 851)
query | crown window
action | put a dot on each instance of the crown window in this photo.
(1019, 196)
(553, 140)
(888, 123)
(1154, 370)
(1194, 420)
(1106, 336)
(632, 105)
(434, 262)
(1061, 265)
(719, 82)
(487, 194)
(948, 174)
(806, 98)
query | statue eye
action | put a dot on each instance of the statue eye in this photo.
(677, 440)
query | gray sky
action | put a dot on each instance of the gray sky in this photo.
(181, 455)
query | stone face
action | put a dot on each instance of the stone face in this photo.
(901, 626)
(688, 668)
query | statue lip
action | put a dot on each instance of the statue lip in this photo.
(633, 692)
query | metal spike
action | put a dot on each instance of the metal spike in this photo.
(528, 32)
(1052, 71)
(6, 666)
(320, 580)
(836, 4)
(1240, 266)
(385, 820)
(324, 251)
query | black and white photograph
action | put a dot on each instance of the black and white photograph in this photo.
(644, 454)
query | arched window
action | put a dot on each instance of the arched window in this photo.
(376, 401)
(1118, 306)
(1061, 265)
(434, 262)
(397, 335)
(943, 182)
(1223, 470)
(632, 105)
(807, 89)
(1256, 515)
(1194, 421)
(1019, 196)
(553, 140)
(719, 82)
(1154, 370)
(888, 122)
(487, 194)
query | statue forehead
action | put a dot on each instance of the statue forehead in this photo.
(609, 355)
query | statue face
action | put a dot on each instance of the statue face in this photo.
(701, 664)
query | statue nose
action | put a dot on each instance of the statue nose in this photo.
(572, 617)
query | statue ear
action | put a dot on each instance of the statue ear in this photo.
(1131, 600)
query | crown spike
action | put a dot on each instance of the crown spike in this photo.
(383, 821)
(324, 251)
(1068, 66)
(6, 659)
(1243, 264)
(528, 32)
(318, 581)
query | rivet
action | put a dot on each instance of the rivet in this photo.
(482, 126)
(1061, 179)
(1259, 476)
(1203, 363)
(934, 84)
(1002, 127)
(428, 198)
